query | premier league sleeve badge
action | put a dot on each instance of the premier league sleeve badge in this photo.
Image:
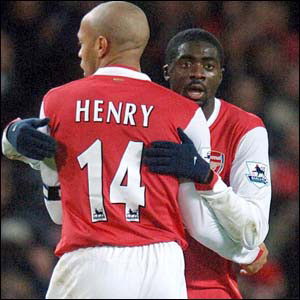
(257, 173)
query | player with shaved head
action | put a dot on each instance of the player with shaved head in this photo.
(122, 232)
(113, 32)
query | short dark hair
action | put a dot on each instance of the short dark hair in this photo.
(189, 35)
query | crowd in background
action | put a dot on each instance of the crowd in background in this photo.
(39, 51)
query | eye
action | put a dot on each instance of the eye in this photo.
(209, 67)
(185, 64)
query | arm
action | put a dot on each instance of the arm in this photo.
(198, 217)
(51, 190)
(11, 152)
(243, 208)
(22, 138)
(203, 226)
(242, 212)
(259, 262)
(51, 184)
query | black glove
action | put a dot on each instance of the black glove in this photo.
(180, 160)
(30, 142)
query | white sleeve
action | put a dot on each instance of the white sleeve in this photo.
(51, 190)
(11, 153)
(49, 174)
(243, 209)
(203, 226)
(51, 184)
(198, 217)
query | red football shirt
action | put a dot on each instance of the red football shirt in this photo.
(206, 270)
(102, 124)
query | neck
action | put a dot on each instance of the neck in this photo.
(127, 59)
(208, 108)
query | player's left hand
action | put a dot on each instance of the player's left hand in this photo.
(29, 141)
(254, 267)
(180, 160)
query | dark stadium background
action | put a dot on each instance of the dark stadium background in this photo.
(39, 51)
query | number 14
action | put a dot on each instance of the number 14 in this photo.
(133, 195)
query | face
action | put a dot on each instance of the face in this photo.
(88, 51)
(196, 72)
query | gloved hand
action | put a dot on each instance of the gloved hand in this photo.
(180, 160)
(30, 142)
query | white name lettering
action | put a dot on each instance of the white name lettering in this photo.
(130, 110)
(146, 114)
(107, 111)
(98, 110)
(112, 110)
(84, 109)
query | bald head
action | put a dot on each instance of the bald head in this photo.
(114, 32)
(123, 24)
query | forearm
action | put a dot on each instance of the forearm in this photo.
(204, 227)
(51, 190)
(11, 153)
(49, 176)
(54, 209)
(243, 219)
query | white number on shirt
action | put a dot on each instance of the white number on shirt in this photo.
(132, 195)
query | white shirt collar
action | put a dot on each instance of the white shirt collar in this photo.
(215, 113)
(122, 71)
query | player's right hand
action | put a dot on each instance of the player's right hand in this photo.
(29, 141)
(180, 160)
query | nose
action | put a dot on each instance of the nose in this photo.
(197, 72)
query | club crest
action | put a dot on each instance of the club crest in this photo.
(257, 173)
(217, 161)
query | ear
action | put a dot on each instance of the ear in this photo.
(102, 46)
(166, 72)
(221, 75)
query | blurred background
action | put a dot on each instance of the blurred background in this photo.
(39, 51)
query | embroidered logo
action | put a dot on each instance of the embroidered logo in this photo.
(132, 215)
(217, 161)
(99, 215)
(257, 173)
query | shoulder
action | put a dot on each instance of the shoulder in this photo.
(67, 87)
(173, 97)
(177, 109)
(240, 118)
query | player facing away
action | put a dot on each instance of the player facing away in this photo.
(121, 224)
(122, 233)
(239, 143)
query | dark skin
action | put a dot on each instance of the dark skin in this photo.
(196, 73)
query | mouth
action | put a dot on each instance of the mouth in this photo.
(195, 92)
